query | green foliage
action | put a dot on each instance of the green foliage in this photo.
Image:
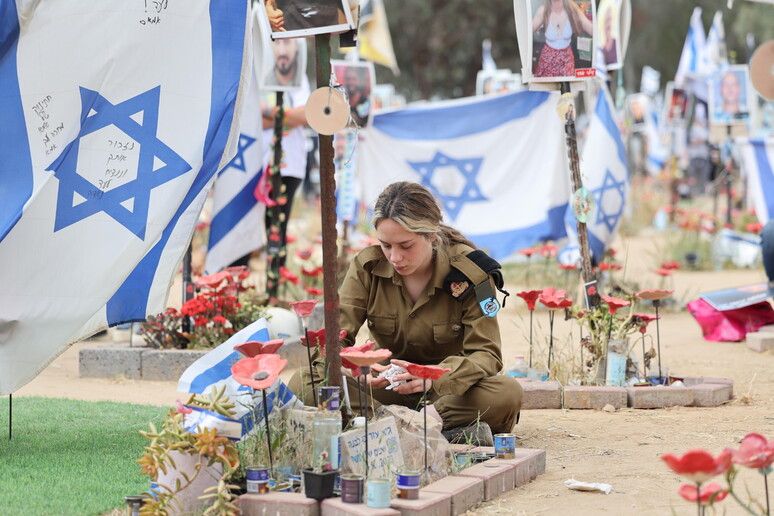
(71, 457)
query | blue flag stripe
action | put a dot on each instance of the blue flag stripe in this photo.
(15, 161)
(457, 121)
(765, 173)
(608, 120)
(225, 220)
(227, 22)
(502, 244)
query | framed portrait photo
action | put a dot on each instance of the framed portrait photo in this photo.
(730, 94)
(284, 64)
(358, 80)
(609, 33)
(675, 105)
(497, 81)
(637, 108)
(300, 18)
(560, 40)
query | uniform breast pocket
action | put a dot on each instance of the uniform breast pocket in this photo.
(449, 335)
(382, 326)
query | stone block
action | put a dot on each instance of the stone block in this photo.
(760, 341)
(168, 365)
(769, 328)
(428, 504)
(594, 397)
(659, 397)
(335, 507)
(710, 394)
(536, 464)
(278, 504)
(541, 395)
(498, 476)
(110, 362)
(465, 492)
(722, 381)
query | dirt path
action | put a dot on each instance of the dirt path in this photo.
(620, 448)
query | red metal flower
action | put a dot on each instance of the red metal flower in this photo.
(708, 495)
(567, 267)
(755, 452)
(554, 299)
(317, 338)
(548, 251)
(238, 273)
(311, 273)
(213, 280)
(698, 465)
(365, 358)
(288, 275)
(314, 291)
(258, 372)
(663, 272)
(254, 348)
(614, 303)
(368, 346)
(304, 308)
(670, 265)
(304, 254)
(754, 227)
(643, 320)
(529, 251)
(530, 296)
(428, 372)
(653, 294)
(182, 408)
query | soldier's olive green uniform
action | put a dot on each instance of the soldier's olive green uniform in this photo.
(438, 330)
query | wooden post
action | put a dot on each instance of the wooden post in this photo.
(577, 183)
(329, 235)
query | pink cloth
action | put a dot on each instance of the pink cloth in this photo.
(730, 325)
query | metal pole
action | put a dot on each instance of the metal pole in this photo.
(188, 287)
(329, 235)
(10, 417)
(275, 238)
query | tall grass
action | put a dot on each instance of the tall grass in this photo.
(71, 457)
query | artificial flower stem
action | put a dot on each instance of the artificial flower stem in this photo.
(424, 402)
(309, 358)
(364, 370)
(766, 487)
(698, 497)
(550, 338)
(268, 435)
(644, 370)
(658, 341)
(530, 337)
(360, 399)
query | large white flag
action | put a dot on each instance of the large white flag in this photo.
(605, 174)
(237, 227)
(690, 65)
(498, 166)
(758, 166)
(114, 118)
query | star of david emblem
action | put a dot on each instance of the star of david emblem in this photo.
(452, 181)
(239, 160)
(610, 199)
(127, 202)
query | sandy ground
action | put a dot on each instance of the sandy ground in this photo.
(620, 448)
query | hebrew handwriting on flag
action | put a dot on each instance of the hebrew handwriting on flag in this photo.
(110, 141)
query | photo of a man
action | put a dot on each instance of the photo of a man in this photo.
(358, 81)
(638, 109)
(729, 96)
(284, 64)
(676, 102)
(295, 18)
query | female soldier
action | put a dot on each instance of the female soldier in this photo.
(416, 291)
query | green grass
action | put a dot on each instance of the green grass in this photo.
(71, 457)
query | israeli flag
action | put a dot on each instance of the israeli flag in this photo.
(658, 153)
(758, 167)
(214, 370)
(237, 227)
(497, 165)
(691, 59)
(605, 174)
(114, 119)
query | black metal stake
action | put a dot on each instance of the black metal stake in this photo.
(309, 358)
(268, 434)
(644, 370)
(658, 341)
(424, 400)
(188, 287)
(551, 338)
(530, 337)
(10, 417)
(364, 370)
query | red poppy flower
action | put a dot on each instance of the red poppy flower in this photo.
(200, 226)
(314, 291)
(368, 346)
(238, 273)
(311, 273)
(698, 465)
(754, 452)
(604, 266)
(567, 267)
(530, 296)
(528, 251)
(554, 299)
(653, 294)
(317, 338)
(428, 372)
(213, 280)
(254, 348)
(304, 254)
(182, 409)
(365, 358)
(663, 272)
(290, 238)
(754, 227)
(288, 275)
(547, 251)
(304, 308)
(614, 303)
(708, 495)
(643, 320)
(670, 265)
(258, 372)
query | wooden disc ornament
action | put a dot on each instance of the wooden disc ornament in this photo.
(582, 204)
(762, 70)
(327, 110)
